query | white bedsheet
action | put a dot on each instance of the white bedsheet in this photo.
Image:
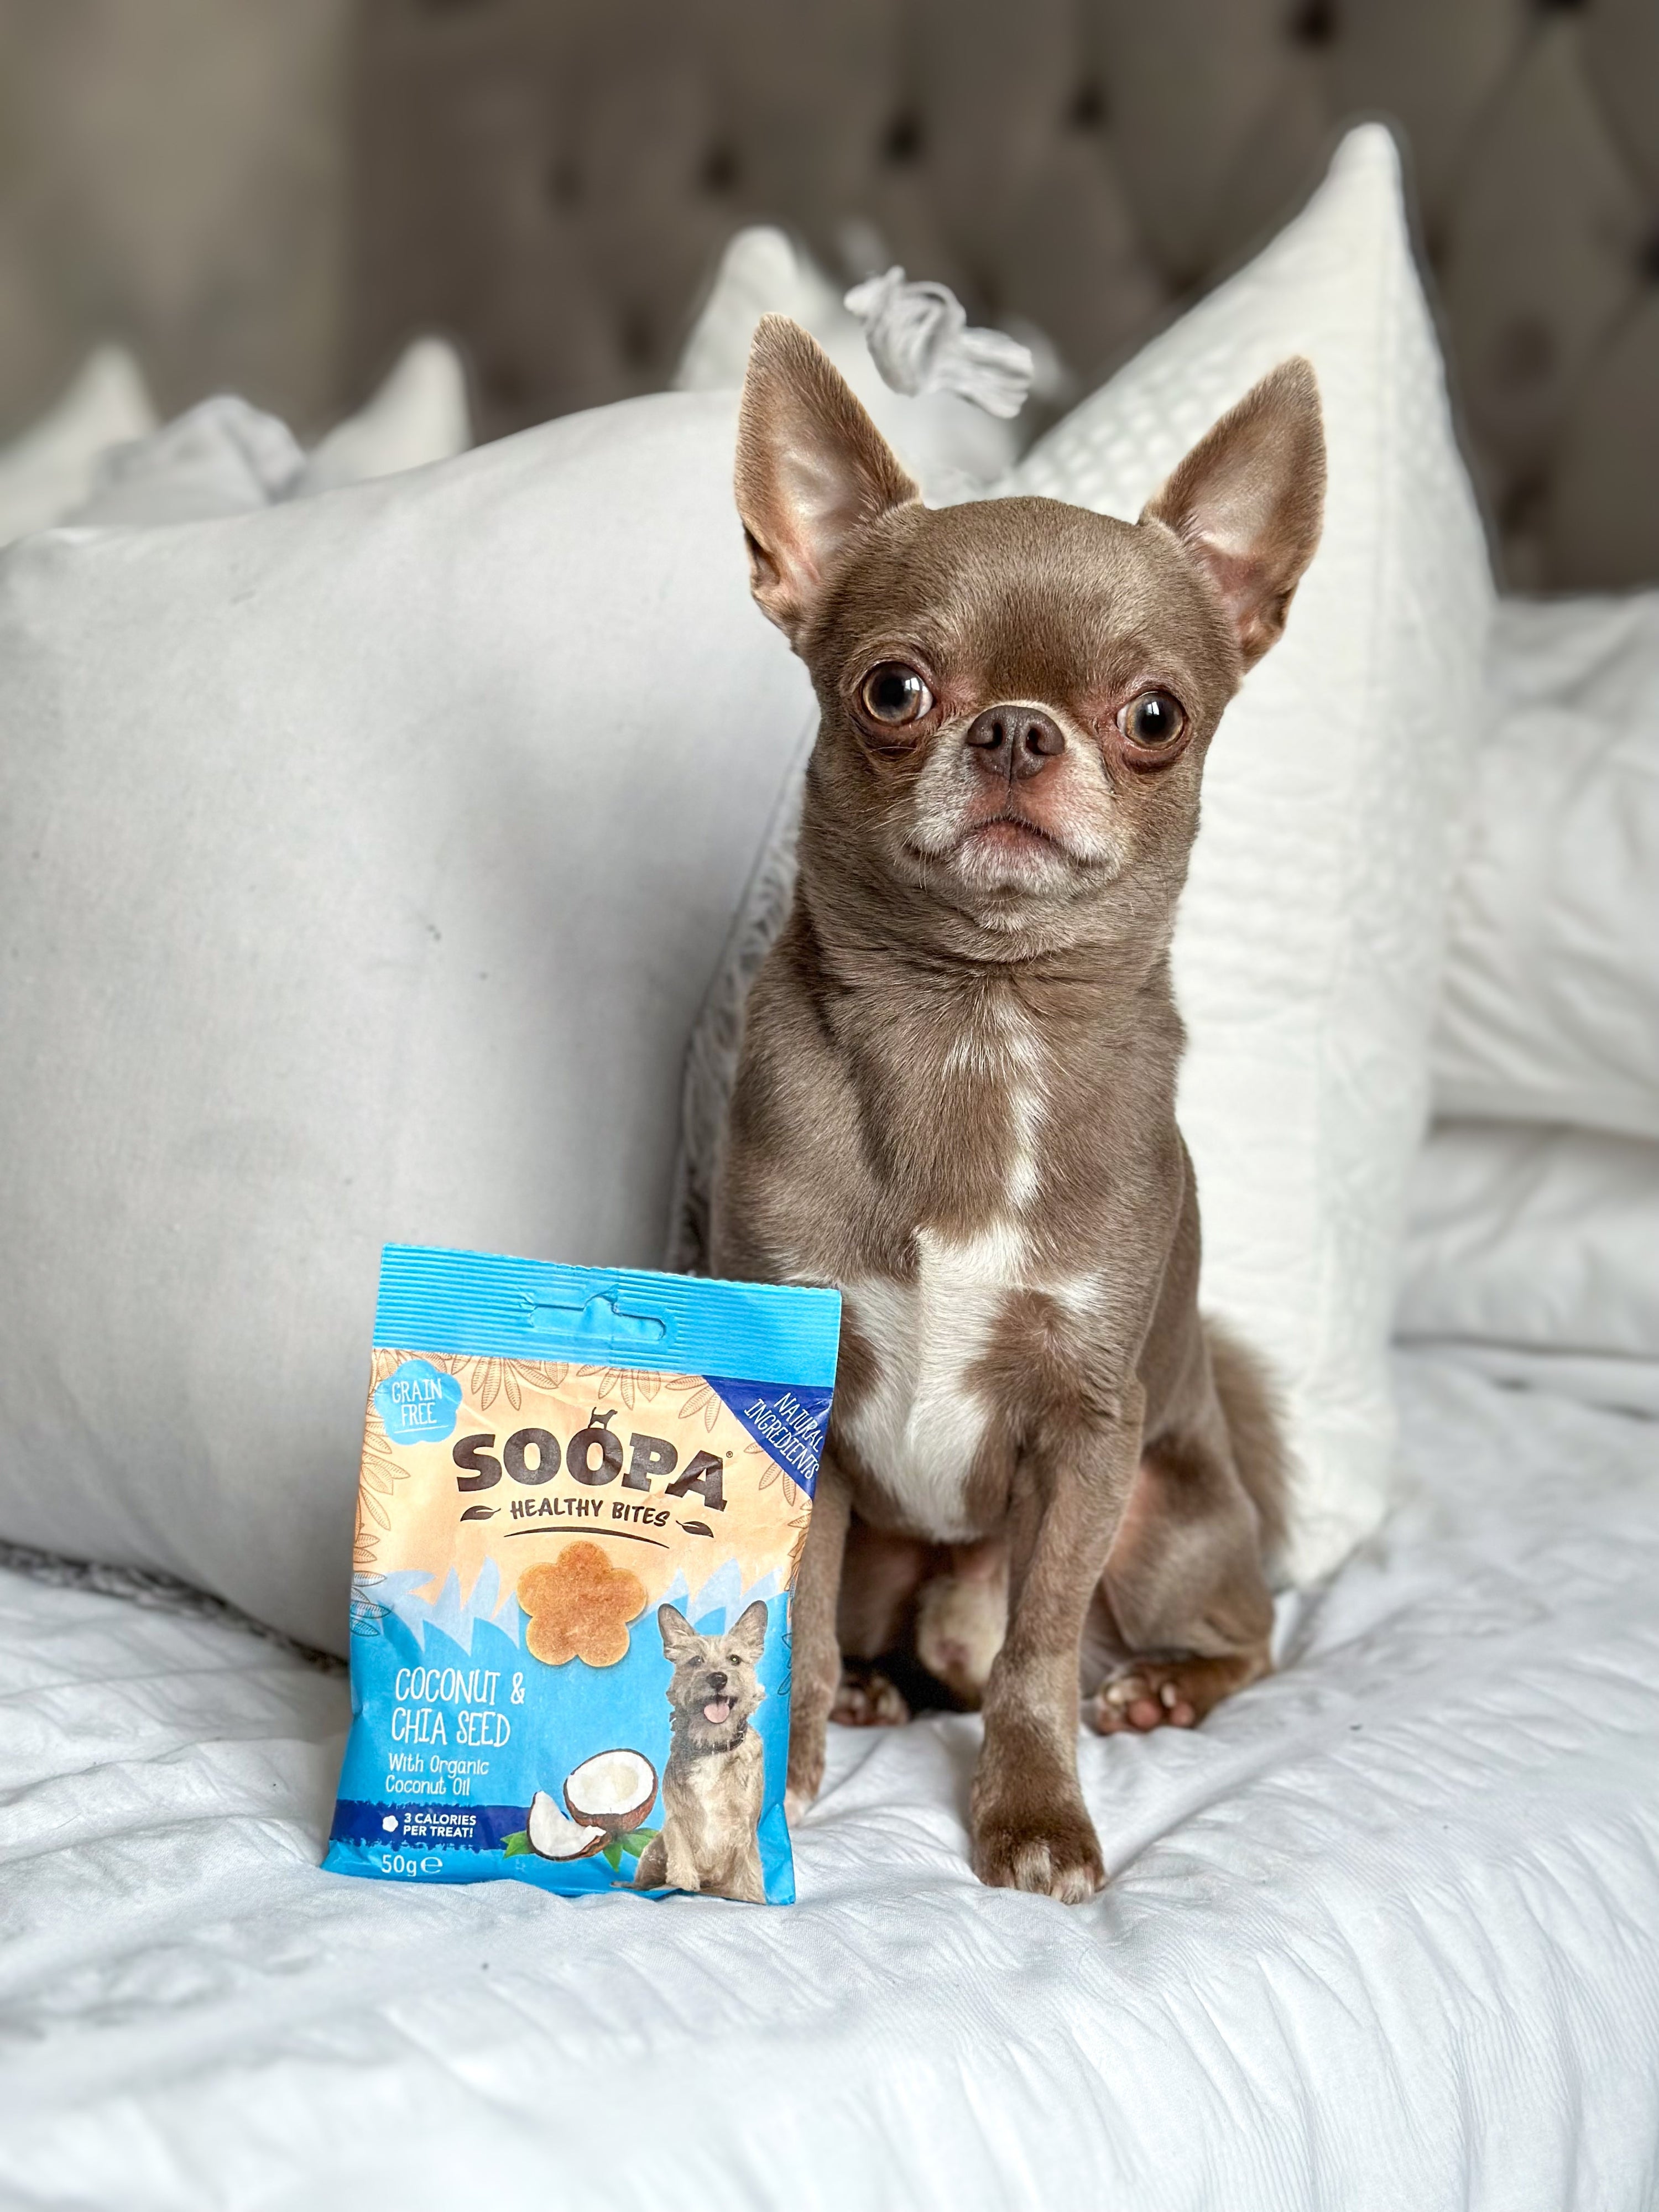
(1384, 1934)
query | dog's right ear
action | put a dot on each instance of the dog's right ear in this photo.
(679, 1639)
(812, 470)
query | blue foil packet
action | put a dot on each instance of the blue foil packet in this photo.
(583, 1499)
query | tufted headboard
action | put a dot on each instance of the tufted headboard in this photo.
(551, 181)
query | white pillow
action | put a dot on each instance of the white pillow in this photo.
(954, 449)
(363, 861)
(1308, 950)
(227, 457)
(47, 471)
(419, 415)
(1552, 999)
(1534, 1252)
(220, 457)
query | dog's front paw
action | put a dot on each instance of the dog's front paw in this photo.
(1051, 1853)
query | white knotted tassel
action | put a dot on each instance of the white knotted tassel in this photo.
(919, 338)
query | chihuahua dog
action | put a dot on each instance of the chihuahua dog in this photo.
(713, 1786)
(955, 1095)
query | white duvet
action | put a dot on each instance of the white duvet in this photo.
(1384, 1934)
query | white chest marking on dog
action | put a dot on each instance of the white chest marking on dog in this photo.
(1025, 1104)
(919, 1426)
(1002, 1045)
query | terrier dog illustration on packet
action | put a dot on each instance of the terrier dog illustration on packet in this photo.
(714, 1785)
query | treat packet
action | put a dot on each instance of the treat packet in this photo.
(583, 1499)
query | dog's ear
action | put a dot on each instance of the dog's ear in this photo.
(749, 1633)
(679, 1639)
(812, 470)
(1248, 500)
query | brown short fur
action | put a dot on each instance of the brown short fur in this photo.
(956, 1098)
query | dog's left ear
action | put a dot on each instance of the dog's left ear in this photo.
(812, 470)
(749, 1633)
(1248, 500)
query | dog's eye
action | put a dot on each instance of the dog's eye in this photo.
(893, 694)
(1154, 720)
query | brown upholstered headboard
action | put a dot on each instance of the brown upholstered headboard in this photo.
(551, 180)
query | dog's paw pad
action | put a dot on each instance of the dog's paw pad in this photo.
(1149, 1694)
(867, 1700)
(1139, 1700)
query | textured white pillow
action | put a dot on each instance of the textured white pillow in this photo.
(1551, 1011)
(1535, 1253)
(954, 449)
(363, 861)
(1309, 945)
(47, 471)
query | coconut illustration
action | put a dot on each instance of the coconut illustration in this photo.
(551, 1836)
(612, 1791)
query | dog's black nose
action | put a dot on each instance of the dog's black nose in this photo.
(717, 1682)
(1014, 741)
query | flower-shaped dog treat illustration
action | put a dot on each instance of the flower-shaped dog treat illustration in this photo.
(580, 1607)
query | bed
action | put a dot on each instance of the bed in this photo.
(1383, 1933)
